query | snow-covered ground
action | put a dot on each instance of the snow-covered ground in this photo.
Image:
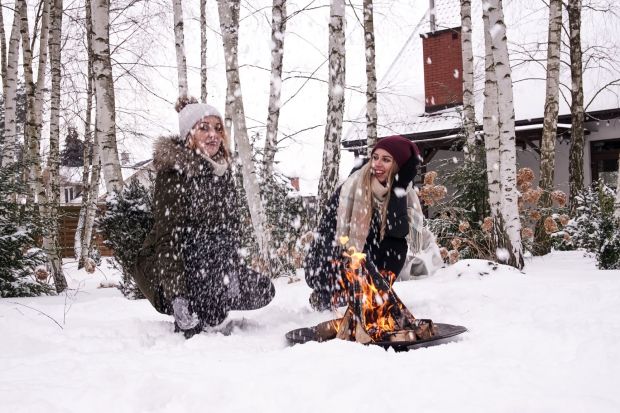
(546, 340)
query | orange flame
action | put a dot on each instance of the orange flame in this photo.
(375, 305)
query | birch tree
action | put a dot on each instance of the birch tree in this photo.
(105, 124)
(10, 93)
(203, 51)
(617, 203)
(469, 103)
(552, 104)
(278, 28)
(2, 59)
(228, 11)
(91, 203)
(90, 171)
(490, 123)
(335, 103)
(35, 97)
(577, 109)
(550, 122)
(507, 216)
(52, 243)
(371, 76)
(179, 45)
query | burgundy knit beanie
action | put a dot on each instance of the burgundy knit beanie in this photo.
(399, 147)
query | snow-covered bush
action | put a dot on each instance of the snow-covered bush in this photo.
(288, 220)
(463, 225)
(459, 221)
(126, 223)
(19, 230)
(593, 228)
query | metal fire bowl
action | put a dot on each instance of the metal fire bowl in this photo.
(444, 332)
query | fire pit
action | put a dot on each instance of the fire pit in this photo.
(374, 315)
(320, 333)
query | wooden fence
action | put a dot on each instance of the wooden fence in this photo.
(68, 215)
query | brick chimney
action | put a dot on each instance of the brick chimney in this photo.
(295, 183)
(443, 68)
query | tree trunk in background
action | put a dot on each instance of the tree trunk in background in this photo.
(550, 123)
(53, 245)
(2, 58)
(617, 203)
(577, 109)
(179, 45)
(93, 194)
(335, 104)
(508, 150)
(9, 149)
(552, 103)
(203, 51)
(81, 242)
(371, 76)
(490, 124)
(29, 127)
(104, 89)
(469, 103)
(35, 97)
(278, 28)
(229, 24)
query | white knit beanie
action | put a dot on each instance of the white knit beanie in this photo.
(192, 114)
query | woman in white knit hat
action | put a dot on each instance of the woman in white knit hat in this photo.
(189, 265)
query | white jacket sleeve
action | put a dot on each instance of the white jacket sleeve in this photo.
(423, 256)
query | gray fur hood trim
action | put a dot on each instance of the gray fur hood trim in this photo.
(169, 154)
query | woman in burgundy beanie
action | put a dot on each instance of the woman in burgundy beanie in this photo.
(379, 211)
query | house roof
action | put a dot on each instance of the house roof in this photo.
(400, 97)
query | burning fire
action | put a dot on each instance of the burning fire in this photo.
(374, 312)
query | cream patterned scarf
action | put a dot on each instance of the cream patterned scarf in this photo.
(355, 207)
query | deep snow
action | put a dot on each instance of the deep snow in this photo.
(545, 340)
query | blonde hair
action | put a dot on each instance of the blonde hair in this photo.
(367, 176)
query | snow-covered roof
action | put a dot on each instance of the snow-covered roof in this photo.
(401, 105)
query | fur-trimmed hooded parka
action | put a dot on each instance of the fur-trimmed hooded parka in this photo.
(192, 250)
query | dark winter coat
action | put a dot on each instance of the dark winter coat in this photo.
(192, 250)
(388, 253)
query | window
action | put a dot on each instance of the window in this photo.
(604, 161)
(68, 194)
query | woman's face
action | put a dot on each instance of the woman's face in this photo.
(381, 163)
(207, 135)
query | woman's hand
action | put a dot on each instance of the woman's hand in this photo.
(406, 174)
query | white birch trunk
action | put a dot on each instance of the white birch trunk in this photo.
(106, 117)
(53, 245)
(29, 157)
(577, 110)
(371, 76)
(2, 57)
(10, 95)
(335, 103)
(617, 203)
(278, 28)
(179, 45)
(469, 103)
(91, 205)
(203, 51)
(229, 24)
(508, 151)
(490, 124)
(35, 96)
(552, 103)
(81, 243)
